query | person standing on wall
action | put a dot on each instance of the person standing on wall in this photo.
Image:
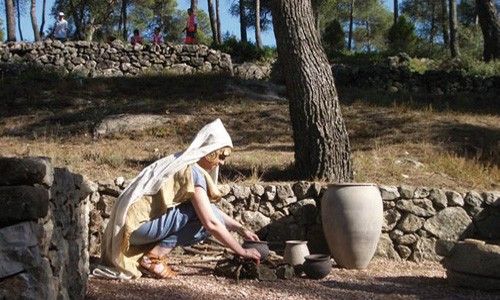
(191, 27)
(60, 31)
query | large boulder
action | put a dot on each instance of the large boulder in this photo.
(449, 224)
(22, 203)
(26, 171)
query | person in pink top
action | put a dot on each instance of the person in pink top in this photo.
(191, 27)
(157, 38)
(136, 38)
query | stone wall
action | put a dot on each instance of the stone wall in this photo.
(415, 218)
(112, 59)
(43, 231)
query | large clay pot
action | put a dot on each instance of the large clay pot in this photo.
(352, 216)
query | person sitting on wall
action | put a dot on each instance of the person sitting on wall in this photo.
(191, 27)
(170, 203)
(136, 38)
(60, 31)
(157, 39)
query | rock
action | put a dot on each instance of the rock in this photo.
(425, 249)
(226, 207)
(22, 203)
(270, 192)
(492, 198)
(285, 271)
(444, 247)
(421, 192)
(109, 190)
(473, 199)
(301, 189)
(19, 248)
(407, 239)
(284, 192)
(240, 192)
(389, 193)
(282, 204)
(475, 258)
(391, 218)
(119, 181)
(266, 208)
(105, 205)
(487, 223)
(304, 211)
(449, 224)
(403, 251)
(255, 220)
(454, 198)
(395, 234)
(418, 207)
(253, 203)
(410, 223)
(26, 171)
(406, 192)
(438, 198)
(257, 189)
(385, 248)
(224, 189)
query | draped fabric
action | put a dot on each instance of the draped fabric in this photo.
(211, 137)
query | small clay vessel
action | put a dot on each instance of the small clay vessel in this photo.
(317, 266)
(260, 246)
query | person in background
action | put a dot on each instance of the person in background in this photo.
(157, 38)
(61, 28)
(191, 27)
(136, 38)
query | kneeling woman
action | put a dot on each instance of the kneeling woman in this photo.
(170, 203)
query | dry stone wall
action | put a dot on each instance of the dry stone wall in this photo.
(415, 218)
(91, 59)
(44, 215)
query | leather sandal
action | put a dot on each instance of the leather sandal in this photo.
(149, 263)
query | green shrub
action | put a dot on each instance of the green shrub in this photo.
(333, 38)
(401, 37)
(245, 51)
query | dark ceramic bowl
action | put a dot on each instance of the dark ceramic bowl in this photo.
(260, 246)
(317, 266)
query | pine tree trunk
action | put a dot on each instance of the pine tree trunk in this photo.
(444, 25)
(10, 15)
(34, 22)
(432, 32)
(18, 10)
(322, 149)
(124, 19)
(490, 27)
(453, 29)
(396, 11)
(217, 15)
(351, 22)
(243, 22)
(44, 5)
(213, 22)
(258, 38)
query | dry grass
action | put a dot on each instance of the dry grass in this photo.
(394, 140)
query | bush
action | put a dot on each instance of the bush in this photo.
(333, 38)
(245, 51)
(401, 37)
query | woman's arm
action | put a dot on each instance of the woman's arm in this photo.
(204, 212)
(233, 225)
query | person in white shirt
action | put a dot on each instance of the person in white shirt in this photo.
(61, 28)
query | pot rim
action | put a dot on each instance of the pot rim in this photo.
(346, 184)
(255, 242)
(295, 242)
(317, 257)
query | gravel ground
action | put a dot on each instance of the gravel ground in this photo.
(384, 279)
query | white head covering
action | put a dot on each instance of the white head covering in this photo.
(211, 137)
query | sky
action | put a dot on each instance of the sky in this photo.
(229, 23)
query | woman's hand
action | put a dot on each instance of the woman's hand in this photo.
(247, 234)
(251, 253)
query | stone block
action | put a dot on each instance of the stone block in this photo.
(22, 203)
(438, 198)
(454, 198)
(449, 224)
(385, 248)
(425, 249)
(410, 223)
(257, 189)
(301, 189)
(26, 171)
(473, 199)
(391, 218)
(404, 251)
(240, 192)
(487, 223)
(284, 191)
(421, 192)
(476, 258)
(304, 211)
(389, 193)
(418, 207)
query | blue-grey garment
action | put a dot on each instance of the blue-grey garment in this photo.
(179, 226)
(198, 178)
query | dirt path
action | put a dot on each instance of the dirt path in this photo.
(382, 280)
